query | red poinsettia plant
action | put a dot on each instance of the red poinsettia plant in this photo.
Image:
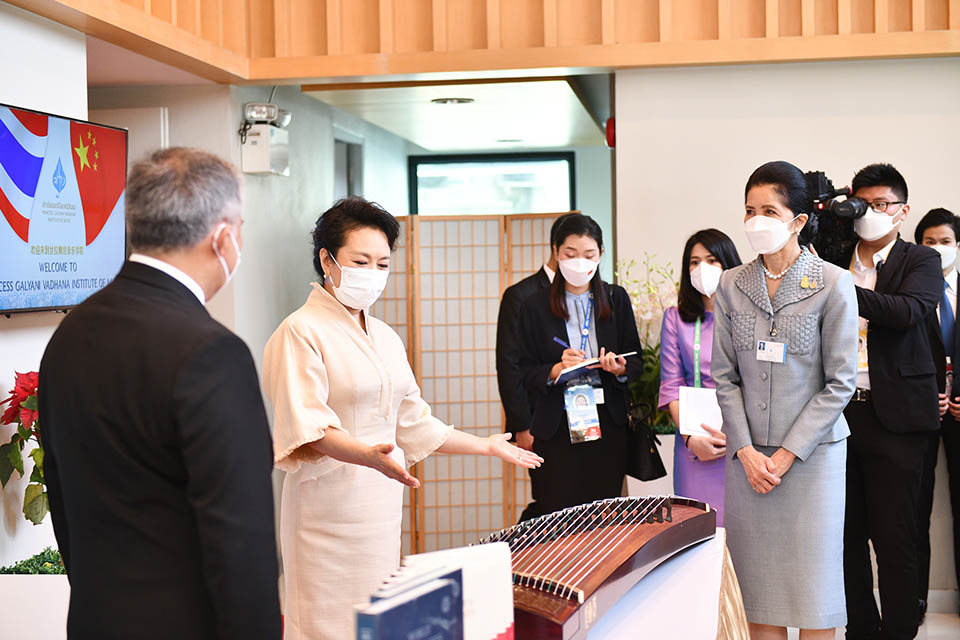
(22, 412)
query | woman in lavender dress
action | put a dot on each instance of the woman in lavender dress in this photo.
(698, 461)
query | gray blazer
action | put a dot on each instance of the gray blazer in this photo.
(798, 404)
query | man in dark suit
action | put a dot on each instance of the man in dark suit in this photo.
(939, 230)
(893, 410)
(158, 452)
(517, 402)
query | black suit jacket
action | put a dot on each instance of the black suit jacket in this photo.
(940, 359)
(517, 401)
(903, 375)
(158, 461)
(539, 352)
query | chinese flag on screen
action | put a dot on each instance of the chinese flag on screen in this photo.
(100, 161)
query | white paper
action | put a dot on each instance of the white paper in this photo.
(698, 405)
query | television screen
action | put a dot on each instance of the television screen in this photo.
(62, 235)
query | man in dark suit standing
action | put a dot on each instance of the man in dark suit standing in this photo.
(893, 410)
(517, 402)
(939, 230)
(158, 452)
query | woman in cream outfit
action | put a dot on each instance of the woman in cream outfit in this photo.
(348, 420)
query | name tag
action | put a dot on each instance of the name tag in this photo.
(598, 395)
(769, 351)
(582, 417)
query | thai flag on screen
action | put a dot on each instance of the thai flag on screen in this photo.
(23, 142)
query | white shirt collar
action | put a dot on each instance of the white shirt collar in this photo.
(877, 257)
(173, 272)
(550, 273)
(951, 279)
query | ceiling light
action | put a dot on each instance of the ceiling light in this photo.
(509, 140)
(452, 100)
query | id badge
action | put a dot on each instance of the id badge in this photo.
(770, 351)
(582, 417)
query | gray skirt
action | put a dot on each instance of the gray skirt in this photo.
(787, 545)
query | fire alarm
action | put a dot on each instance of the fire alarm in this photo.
(611, 133)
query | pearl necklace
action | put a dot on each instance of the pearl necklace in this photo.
(776, 276)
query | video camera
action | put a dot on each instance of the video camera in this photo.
(835, 237)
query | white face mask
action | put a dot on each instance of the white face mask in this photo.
(705, 277)
(227, 273)
(359, 288)
(873, 225)
(948, 255)
(578, 271)
(767, 235)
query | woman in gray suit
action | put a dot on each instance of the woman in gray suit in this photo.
(784, 361)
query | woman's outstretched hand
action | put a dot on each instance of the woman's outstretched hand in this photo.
(500, 447)
(378, 457)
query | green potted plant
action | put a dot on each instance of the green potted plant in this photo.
(22, 412)
(36, 588)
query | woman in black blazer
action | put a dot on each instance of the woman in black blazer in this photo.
(594, 319)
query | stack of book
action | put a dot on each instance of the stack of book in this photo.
(456, 594)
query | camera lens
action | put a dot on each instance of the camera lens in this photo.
(849, 209)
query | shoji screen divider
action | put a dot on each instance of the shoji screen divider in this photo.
(448, 275)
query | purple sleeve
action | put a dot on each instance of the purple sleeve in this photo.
(671, 368)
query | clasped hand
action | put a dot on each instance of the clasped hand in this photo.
(765, 472)
(950, 405)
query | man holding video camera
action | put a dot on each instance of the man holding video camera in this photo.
(892, 412)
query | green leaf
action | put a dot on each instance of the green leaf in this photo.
(38, 455)
(15, 456)
(30, 403)
(6, 467)
(37, 475)
(23, 432)
(36, 503)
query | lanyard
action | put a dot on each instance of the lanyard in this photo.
(587, 321)
(696, 354)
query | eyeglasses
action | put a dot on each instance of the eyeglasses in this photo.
(882, 206)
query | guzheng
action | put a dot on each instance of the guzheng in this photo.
(571, 566)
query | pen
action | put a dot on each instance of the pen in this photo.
(561, 343)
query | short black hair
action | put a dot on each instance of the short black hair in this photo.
(344, 216)
(880, 175)
(790, 183)
(936, 218)
(689, 301)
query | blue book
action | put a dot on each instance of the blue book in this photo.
(430, 611)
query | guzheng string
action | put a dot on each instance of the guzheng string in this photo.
(625, 515)
(555, 550)
(603, 549)
(535, 555)
(569, 552)
(544, 528)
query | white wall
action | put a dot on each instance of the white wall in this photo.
(197, 116)
(688, 139)
(44, 67)
(280, 212)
